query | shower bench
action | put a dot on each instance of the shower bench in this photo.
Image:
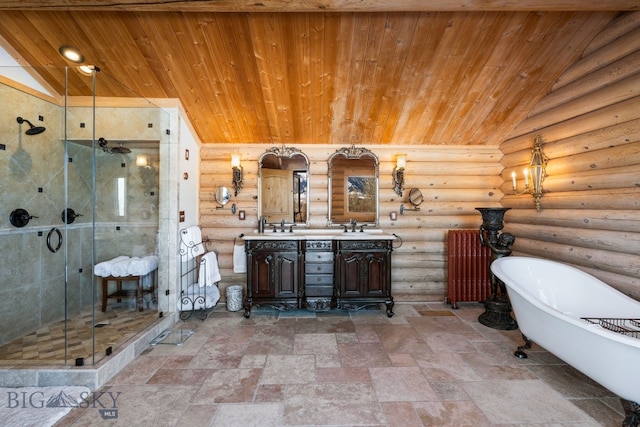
(120, 293)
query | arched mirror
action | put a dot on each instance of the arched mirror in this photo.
(353, 186)
(283, 186)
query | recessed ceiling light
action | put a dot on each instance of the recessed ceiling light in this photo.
(87, 69)
(72, 54)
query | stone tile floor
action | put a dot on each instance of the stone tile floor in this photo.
(426, 366)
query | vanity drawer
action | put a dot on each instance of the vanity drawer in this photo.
(318, 279)
(319, 257)
(311, 268)
(318, 290)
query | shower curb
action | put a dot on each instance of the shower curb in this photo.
(92, 377)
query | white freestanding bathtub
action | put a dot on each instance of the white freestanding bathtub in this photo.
(550, 300)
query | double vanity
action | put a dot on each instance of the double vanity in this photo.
(346, 265)
(319, 269)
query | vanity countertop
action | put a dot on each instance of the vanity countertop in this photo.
(320, 234)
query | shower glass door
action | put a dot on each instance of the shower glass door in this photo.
(35, 299)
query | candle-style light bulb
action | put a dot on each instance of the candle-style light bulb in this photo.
(526, 178)
(513, 179)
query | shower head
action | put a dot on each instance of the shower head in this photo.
(116, 150)
(120, 149)
(33, 130)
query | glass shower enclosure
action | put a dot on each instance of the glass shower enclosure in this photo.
(80, 185)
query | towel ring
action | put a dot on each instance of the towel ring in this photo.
(51, 248)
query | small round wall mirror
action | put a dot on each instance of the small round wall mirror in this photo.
(415, 197)
(222, 196)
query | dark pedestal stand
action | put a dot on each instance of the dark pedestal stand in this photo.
(497, 313)
(631, 412)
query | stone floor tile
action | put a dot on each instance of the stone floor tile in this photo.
(399, 384)
(179, 376)
(343, 375)
(228, 386)
(400, 414)
(345, 404)
(524, 401)
(319, 343)
(289, 369)
(451, 413)
(197, 415)
(367, 354)
(255, 415)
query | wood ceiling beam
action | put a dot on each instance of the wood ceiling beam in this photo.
(321, 5)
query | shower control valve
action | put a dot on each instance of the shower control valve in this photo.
(20, 217)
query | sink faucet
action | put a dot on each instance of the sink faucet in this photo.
(353, 225)
(282, 225)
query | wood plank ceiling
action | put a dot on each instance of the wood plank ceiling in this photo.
(296, 77)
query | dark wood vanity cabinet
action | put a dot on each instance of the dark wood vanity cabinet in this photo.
(363, 274)
(318, 274)
(273, 270)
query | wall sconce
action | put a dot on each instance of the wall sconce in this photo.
(398, 173)
(237, 173)
(141, 161)
(535, 174)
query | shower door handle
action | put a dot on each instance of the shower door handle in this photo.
(51, 248)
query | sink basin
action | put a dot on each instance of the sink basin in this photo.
(320, 234)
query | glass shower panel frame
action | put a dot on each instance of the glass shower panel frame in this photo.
(49, 277)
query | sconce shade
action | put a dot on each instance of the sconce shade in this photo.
(237, 173)
(398, 173)
(141, 161)
(537, 170)
(534, 174)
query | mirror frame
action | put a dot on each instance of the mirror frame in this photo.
(288, 153)
(415, 197)
(354, 153)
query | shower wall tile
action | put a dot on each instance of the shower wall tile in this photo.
(52, 298)
(19, 309)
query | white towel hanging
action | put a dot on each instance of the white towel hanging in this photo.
(191, 243)
(209, 273)
(239, 259)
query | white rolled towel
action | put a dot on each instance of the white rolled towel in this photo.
(147, 280)
(239, 259)
(103, 269)
(121, 268)
(142, 266)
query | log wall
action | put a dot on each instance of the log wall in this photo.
(454, 181)
(590, 123)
